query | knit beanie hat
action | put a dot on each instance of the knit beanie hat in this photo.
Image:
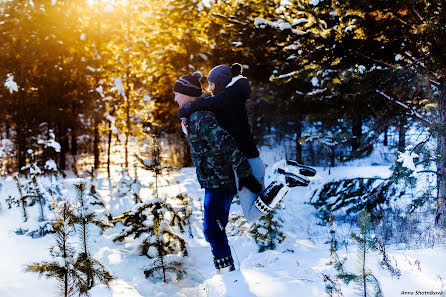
(220, 75)
(189, 85)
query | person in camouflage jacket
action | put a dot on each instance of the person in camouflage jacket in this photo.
(216, 156)
(214, 152)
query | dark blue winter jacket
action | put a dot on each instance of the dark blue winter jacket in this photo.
(230, 110)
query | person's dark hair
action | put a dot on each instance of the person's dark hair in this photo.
(236, 69)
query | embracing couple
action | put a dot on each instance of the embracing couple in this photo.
(226, 157)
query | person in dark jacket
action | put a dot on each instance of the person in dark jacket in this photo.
(216, 157)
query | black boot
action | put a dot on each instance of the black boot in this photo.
(269, 197)
(225, 264)
(299, 168)
(292, 180)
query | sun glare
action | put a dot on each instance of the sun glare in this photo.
(107, 2)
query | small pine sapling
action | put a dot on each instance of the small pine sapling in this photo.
(63, 265)
(50, 149)
(165, 248)
(154, 163)
(31, 191)
(385, 262)
(35, 193)
(103, 218)
(89, 268)
(366, 283)
(333, 239)
(186, 211)
(154, 219)
(332, 287)
(238, 225)
(136, 185)
(267, 231)
(22, 199)
(124, 184)
(31, 194)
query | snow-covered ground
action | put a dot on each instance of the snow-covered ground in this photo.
(295, 268)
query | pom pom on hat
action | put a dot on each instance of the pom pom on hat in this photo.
(198, 75)
(236, 69)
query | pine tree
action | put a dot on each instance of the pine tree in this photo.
(90, 269)
(32, 191)
(22, 199)
(62, 268)
(103, 218)
(366, 283)
(154, 220)
(267, 232)
(124, 186)
(187, 211)
(332, 287)
(136, 185)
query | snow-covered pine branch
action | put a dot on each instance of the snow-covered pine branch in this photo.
(412, 112)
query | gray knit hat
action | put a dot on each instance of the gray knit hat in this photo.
(220, 75)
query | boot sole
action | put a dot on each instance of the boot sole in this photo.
(292, 180)
(304, 170)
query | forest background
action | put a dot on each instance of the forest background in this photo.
(330, 79)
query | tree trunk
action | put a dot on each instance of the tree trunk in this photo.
(74, 141)
(63, 146)
(356, 132)
(20, 120)
(109, 148)
(127, 99)
(64, 248)
(386, 136)
(8, 127)
(298, 138)
(402, 134)
(21, 145)
(74, 131)
(96, 144)
(73, 148)
(187, 159)
(440, 218)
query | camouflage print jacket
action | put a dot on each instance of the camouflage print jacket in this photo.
(215, 153)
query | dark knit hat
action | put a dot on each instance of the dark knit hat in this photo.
(189, 85)
(220, 75)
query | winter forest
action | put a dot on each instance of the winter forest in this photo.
(100, 191)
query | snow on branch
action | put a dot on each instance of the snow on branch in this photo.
(413, 113)
(280, 24)
(229, 19)
(10, 84)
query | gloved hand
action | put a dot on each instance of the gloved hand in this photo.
(250, 183)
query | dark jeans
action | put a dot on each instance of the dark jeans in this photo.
(217, 203)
